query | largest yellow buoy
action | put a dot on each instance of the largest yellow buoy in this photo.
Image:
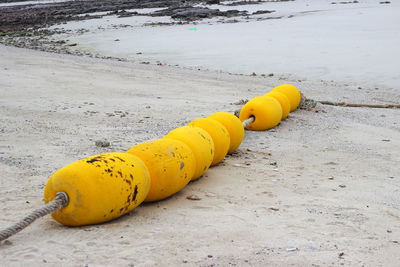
(266, 110)
(234, 127)
(200, 142)
(99, 188)
(291, 93)
(171, 164)
(219, 134)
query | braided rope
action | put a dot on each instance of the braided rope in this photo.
(248, 121)
(59, 202)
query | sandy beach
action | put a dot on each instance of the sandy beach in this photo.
(320, 189)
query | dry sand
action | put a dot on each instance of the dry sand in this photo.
(321, 189)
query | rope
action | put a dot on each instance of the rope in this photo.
(248, 121)
(59, 202)
(344, 104)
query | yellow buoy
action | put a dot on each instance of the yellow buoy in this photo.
(283, 100)
(171, 164)
(99, 188)
(234, 127)
(266, 110)
(292, 94)
(219, 134)
(200, 142)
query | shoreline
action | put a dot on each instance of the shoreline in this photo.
(346, 42)
(319, 189)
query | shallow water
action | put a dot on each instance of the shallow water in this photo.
(353, 43)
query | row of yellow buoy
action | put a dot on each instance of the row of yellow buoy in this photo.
(106, 186)
(268, 110)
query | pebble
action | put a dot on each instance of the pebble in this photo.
(102, 143)
(7, 243)
(193, 197)
(239, 165)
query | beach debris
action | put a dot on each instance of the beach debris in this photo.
(306, 103)
(356, 105)
(341, 254)
(342, 185)
(191, 13)
(241, 102)
(102, 143)
(239, 165)
(349, 2)
(7, 243)
(274, 209)
(259, 12)
(330, 163)
(245, 2)
(193, 197)
(291, 249)
(192, 29)
(389, 231)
